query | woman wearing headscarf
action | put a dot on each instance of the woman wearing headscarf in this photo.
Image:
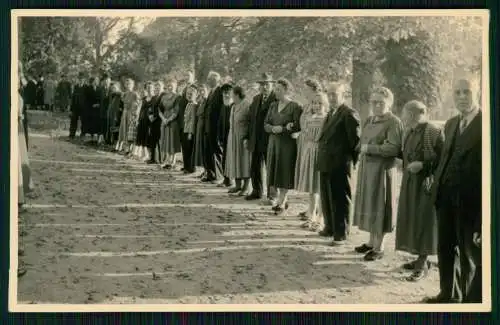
(282, 120)
(416, 231)
(237, 156)
(375, 202)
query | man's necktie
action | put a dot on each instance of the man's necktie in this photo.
(463, 124)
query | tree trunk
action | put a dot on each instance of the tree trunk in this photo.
(413, 72)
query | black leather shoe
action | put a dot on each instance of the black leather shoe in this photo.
(253, 196)
(373, 256)
(439, 299)
(418, 275)
(325, 233)
(363, 249)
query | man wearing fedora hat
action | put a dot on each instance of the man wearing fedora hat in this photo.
(78, 105)
(257, 139)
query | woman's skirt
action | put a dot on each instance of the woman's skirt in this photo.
(306, 175)
(132, 130)
(124, 126)
(142, 132)
(237, 158)
(281, 158)
(198, 145)
(375, 206)
(416, 230)
(170, 142)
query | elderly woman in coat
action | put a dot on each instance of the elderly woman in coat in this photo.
(416, 231)
(375, 201)
(170, 140)
(237, 155)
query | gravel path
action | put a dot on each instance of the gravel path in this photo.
(102, 229)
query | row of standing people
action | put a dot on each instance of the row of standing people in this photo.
(314, 148)
(271, 144)
(47, 93)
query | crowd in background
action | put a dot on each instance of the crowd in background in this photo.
(263, 147)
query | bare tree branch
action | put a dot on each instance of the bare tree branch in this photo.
(110, 25)
(111, 48)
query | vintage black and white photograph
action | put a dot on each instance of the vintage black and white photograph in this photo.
(234, 157)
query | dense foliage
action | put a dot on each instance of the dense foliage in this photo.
(414, 56)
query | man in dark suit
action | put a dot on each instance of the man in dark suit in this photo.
(337, 156)
(213, 143)
(78, 106)
(457, 196)
(103, 108)
(92, 112)
(258, 139)
(63, 94)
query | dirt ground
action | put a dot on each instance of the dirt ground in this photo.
(101, 229)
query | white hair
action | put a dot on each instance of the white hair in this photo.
(473, 80)
(385, 92)
(215, 75)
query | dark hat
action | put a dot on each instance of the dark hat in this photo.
(266, 77)
(81, 74)
(105, 75)
(226, 87)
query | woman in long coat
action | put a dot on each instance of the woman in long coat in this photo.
(416, 231)
(40, 92)
(307, 177)
(375, 201)
(93, 110)
(114, 114)
(237, 156)
(141, 141)
(282, 120)
(170, 142)
(63, 94)
(198, 138)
